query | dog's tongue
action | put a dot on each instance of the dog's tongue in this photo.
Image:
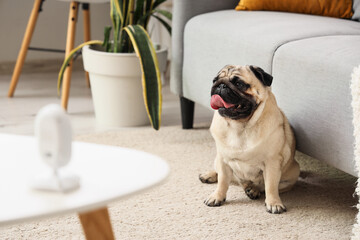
(217, 102)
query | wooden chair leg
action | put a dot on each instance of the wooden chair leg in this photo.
(24, 47)
(73, 12)
(87, 33)
(97, 225)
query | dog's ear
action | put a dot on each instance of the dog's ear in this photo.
(264, 77)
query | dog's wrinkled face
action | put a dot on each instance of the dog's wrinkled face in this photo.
(238, 90)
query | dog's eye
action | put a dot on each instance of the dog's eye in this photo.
(241, 85)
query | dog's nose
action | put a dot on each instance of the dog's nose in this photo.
(222, 86)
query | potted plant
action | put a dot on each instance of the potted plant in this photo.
(124, 71)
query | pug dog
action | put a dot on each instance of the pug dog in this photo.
(254, 141)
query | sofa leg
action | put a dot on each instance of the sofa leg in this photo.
(187, 113)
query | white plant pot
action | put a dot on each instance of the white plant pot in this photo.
(116, 86)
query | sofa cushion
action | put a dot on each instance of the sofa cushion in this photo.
(330, 8)
(312, 81)
(215, 39)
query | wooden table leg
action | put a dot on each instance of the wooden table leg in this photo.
(97, 225)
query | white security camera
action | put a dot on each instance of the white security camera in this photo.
(54, 138)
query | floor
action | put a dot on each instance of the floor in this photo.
(35, 90)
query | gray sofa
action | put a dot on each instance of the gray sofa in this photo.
(310, 57)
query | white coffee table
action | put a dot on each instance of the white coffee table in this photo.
(106, 174)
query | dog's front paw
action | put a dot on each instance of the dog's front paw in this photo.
(209, 177)
(215, 200)
(275, 207)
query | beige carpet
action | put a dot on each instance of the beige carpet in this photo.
(321, 206)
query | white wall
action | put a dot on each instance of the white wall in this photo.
(50, 30)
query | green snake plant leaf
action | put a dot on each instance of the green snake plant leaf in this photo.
(69, 58)
(157, 3)
(107, 43)
(139, 10)
(150, 72)
(155, 14)
(116, 21)
(130, 12)
(165, 24)
(165, 13)
(148, 9)
(119, 8)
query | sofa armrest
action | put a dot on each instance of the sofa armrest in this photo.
(183, 11)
